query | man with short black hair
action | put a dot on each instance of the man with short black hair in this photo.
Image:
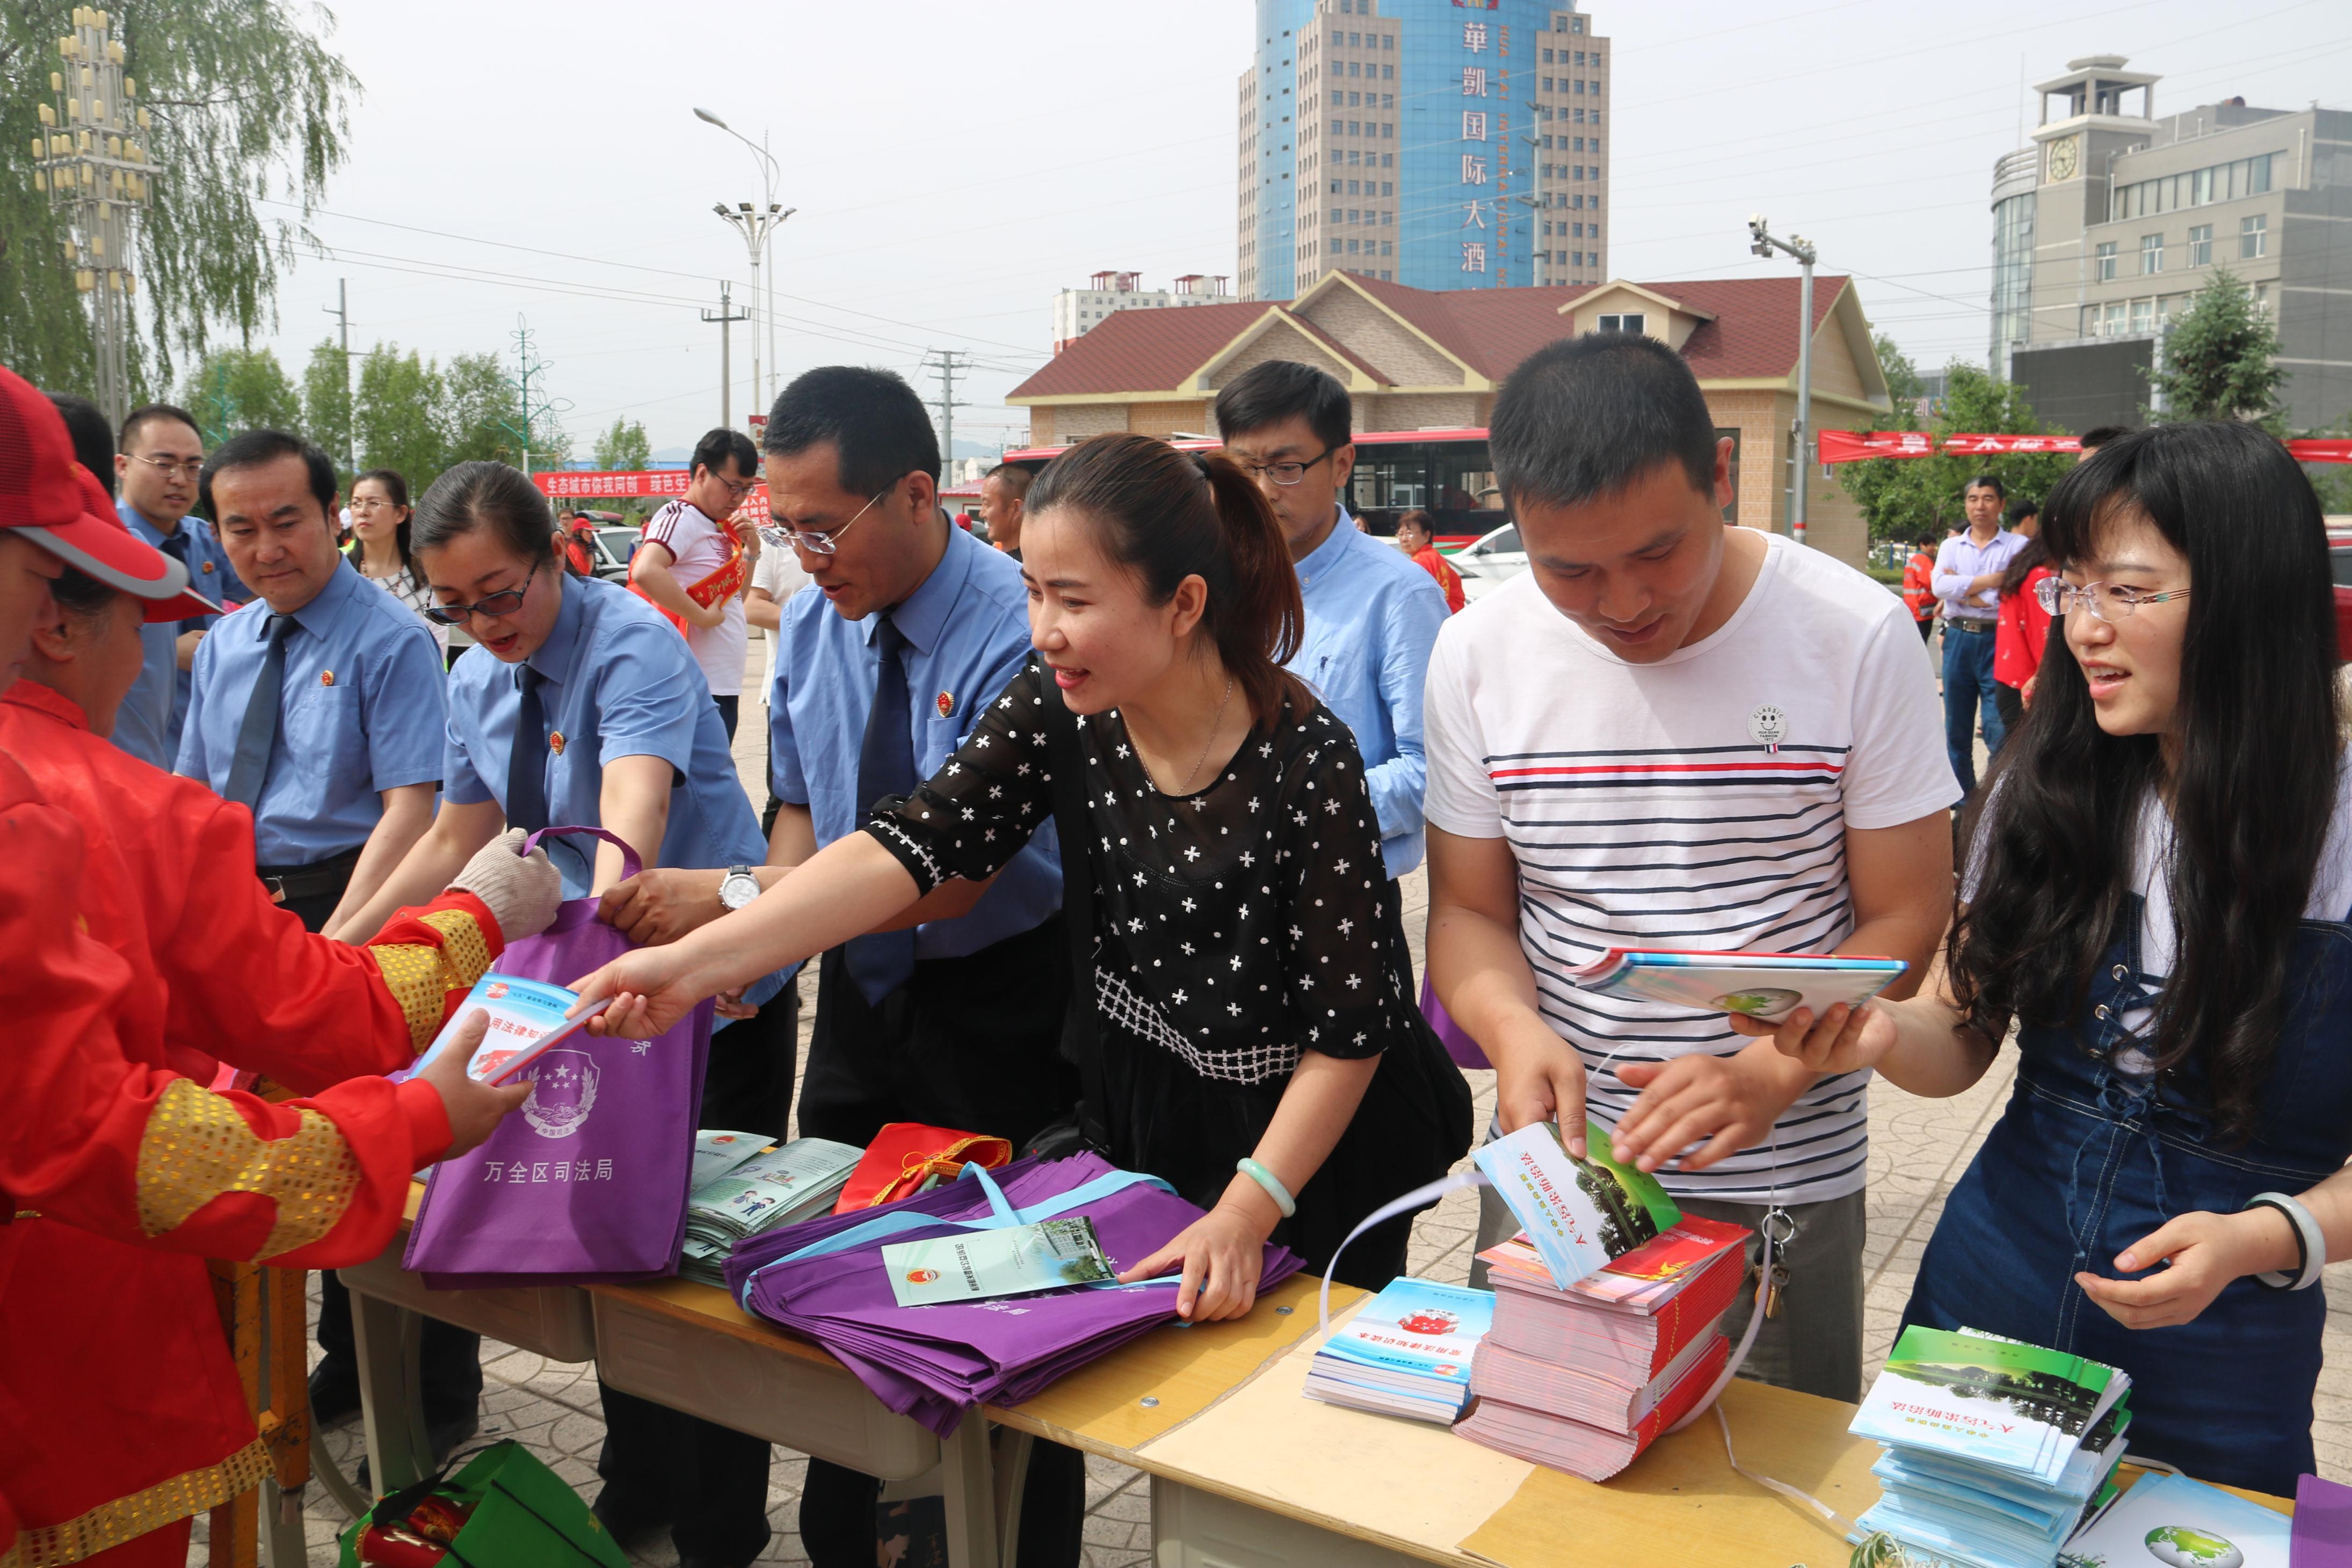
(1372, 614)
(162, 456)
(2099, 436)
(1004, 496)
(955, 1021)
(1672, 732)
(1969, 569)
(694, 568)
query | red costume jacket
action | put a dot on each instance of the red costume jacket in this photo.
(138, 947)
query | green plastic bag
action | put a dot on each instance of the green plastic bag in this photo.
(524, 1516)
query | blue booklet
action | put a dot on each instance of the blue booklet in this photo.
(2186, 1525)
(1407, 1351)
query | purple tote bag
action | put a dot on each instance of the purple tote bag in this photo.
(1464, 1050)
(587, 1180)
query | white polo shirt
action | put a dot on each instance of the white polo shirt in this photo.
(699, 546)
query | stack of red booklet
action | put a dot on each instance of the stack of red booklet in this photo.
(1583, 1379)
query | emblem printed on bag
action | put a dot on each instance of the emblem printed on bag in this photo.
(1767, 727)
(945, 702)
(563, 1093)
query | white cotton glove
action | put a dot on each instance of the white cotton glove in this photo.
(522, 891)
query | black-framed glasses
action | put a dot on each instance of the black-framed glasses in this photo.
(1284, 474)
(506, 602)
(736, 489)
(2110, 601)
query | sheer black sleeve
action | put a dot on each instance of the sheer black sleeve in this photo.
(1337, 965)
(973, 816)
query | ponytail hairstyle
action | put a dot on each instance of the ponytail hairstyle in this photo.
(485, 495)
(1166, 515)
(2256, 785)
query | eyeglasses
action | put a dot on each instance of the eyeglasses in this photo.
(1284, 474)
(504, 603)
(2110, 601)
(736, 490)
(825, 541)
(169, 469)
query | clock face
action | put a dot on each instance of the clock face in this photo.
(2062, 156)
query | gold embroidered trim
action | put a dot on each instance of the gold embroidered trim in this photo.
(195, 1147)
(420, 978)
(110, 1524)
(463, 946)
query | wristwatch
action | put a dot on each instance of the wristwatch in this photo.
(738, 887)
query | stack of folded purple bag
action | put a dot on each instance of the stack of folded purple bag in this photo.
(824, 1280)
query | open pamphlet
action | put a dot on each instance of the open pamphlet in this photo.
(1016, 1261)
(527, 1021)
(1579, 1214)
(717, 1151)
(2188, 1524)
(1767, 985)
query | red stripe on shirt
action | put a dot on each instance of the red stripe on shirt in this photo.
(1672, 768)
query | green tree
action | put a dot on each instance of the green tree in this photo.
(241, 389)
(1903, 384)
(485, 417)
(250, 110)
(1919, 498)
(397, 415)
(2220, 360)
(327, 399)
(623, 448)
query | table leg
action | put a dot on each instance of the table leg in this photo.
(1011, 1460)
(386, 1340)
(964, 1467)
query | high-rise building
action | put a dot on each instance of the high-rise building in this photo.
(1438, 143)
(1077, 310)
(2107, 225)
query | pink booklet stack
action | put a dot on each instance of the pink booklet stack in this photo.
(1583, 1379)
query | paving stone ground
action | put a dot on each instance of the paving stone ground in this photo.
(1918, 1148)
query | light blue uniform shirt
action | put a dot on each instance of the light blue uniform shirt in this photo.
(1372, 618)
(359, 712)
(149, 722)
(967, 631)
(617, 680)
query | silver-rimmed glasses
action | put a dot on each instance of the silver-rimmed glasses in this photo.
(2110, 601)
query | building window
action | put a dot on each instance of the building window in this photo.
(2151, 255)
(2201, 245)
(2143, 315)
(2114, 320)
(2104, 260)
(1388, 247)
(2254, 236)
(1576, 24)
(1629, 322)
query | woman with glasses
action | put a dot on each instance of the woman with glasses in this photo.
(579, 705)
(380, 549)
(2158, 899)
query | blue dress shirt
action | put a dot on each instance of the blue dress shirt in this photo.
(1372, 618)
(149, 722)
(1959, 558)
(616, 680)
(967, 631)
(360, 713)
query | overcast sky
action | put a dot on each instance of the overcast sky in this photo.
(955, 164)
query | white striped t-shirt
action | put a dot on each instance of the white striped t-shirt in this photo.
(1699, 802)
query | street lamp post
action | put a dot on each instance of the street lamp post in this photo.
(756, 224)
(1764, 244)
(91, 158)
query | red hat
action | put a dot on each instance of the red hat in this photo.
(59, 505)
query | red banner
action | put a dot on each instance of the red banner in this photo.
(564, 483)
(1853, 447)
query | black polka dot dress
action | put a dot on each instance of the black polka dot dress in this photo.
(1235, 927)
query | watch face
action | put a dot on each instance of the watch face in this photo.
(736, 891)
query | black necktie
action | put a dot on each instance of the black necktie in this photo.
(886, 768)
(249, 769)
(175, 545)
(526, 762)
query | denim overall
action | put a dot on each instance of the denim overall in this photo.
(2087, 1159)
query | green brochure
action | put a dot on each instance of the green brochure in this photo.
(1047, 1255)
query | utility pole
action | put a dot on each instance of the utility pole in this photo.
(529, 367)
(1800, 450)
(342, 313)
(948, 362)
(727, 318)
(1536, 172)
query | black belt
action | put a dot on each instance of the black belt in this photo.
(1955, 624)
(286, 882)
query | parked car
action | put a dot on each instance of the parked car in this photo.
(611, 547)
(1490, 560)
